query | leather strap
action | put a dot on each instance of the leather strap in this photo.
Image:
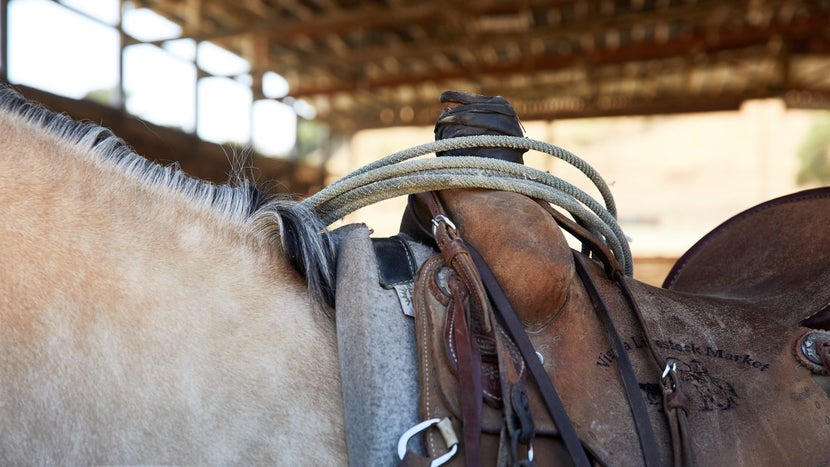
(469, 372)
(456, 254)
(396, 263)
(508, 318)
(676, 403)
(589, 241)
(469, 309)
(648, 442)
(412, 459)
(676, 413)
(676, 406)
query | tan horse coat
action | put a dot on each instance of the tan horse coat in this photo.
(140, 326)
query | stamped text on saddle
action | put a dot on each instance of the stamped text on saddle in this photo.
(531, 353)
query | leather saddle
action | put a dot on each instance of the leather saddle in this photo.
(732, 326)
(738, 345)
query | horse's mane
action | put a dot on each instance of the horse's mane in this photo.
(291, 226)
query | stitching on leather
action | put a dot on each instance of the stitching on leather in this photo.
(410, 258)
(451, 336)
(410, 262)
(521, 360)
(425, 358)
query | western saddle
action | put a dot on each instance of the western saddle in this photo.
(531, 353)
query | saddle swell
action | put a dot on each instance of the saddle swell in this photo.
(527, 251)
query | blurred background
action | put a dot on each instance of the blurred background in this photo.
(692, 110)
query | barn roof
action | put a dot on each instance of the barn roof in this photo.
(367, 64)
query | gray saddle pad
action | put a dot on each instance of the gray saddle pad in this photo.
(376, 345)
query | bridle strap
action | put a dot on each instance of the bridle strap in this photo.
(507, 317)
(590, 242)
(648, 442)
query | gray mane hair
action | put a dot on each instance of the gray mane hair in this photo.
(285, 223)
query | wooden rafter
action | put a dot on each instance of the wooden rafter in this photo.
(360, 62)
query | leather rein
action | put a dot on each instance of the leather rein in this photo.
(479, 280)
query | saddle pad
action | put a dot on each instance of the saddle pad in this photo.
(376, 345)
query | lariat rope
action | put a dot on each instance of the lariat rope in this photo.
(395, 175)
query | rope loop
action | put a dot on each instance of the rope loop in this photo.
(398, 175)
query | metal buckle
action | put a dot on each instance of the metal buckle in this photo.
(440, 218)
(669, 376)
(448, 433)
(671, 367)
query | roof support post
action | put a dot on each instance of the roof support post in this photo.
(4, 40)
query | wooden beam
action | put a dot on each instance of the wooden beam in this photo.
(701, 42)
(4, 40)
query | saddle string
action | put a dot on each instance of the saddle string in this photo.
(395, 175)
(639, 411)
(675, 402)
(507, 318)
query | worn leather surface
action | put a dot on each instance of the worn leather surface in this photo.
(774, 253)
(733, 333)
(468, 114)
(440, 392)
(523, 246)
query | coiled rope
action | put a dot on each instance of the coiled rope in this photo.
(396, 175)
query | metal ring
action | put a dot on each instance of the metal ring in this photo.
(440, 218)
(671, 367)
(408, 434)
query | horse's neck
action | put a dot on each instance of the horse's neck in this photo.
(161, 309)
(79, 218)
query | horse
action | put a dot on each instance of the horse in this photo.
(147, 317)
(150, 318)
